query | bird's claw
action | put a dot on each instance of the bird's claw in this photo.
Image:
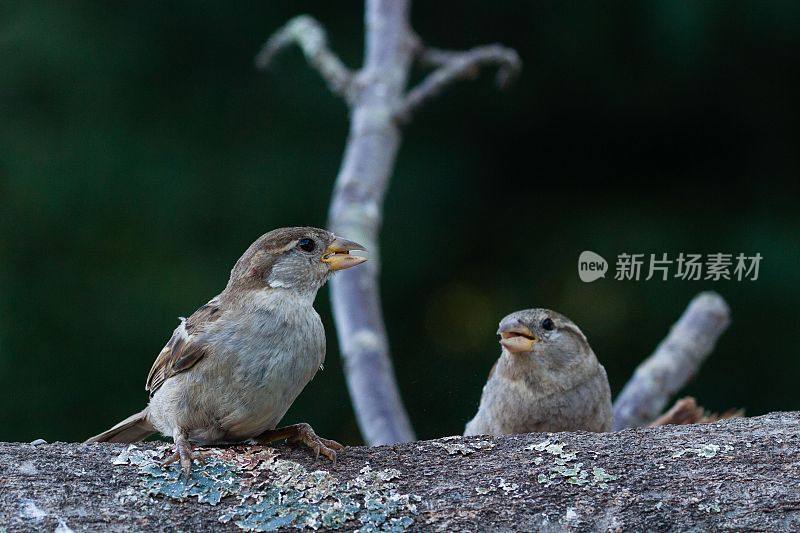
(185, 453)
(303, 434)
(320, 446)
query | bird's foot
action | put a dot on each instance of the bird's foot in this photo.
(304, 434)
(185, 453)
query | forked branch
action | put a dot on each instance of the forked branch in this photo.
(452, 66)
(378, 103)
(307, 33)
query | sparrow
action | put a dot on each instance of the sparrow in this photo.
(547, 379)
(233, 368)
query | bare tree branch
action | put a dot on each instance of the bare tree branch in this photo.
(454, 66)
(674, 362)
(357, 200)
(310, 36)
(377, 99)
(355, 212)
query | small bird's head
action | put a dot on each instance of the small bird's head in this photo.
(548, 338)
(300, 259)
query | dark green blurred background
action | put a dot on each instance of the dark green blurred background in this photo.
(141, 153)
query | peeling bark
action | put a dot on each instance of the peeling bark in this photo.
(738, 474)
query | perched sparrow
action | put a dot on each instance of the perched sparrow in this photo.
(232, 369)
(547, 379)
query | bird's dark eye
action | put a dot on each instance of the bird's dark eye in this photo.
(306, 244)
(547, 324)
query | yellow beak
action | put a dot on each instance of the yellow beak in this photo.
(517, 339)
(337, 254)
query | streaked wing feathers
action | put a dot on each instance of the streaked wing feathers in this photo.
(183, 350)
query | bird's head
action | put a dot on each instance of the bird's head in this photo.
(543, 337)
(297, 259)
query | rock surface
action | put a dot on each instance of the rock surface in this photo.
(735, 474)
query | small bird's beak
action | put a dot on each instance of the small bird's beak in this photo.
(517, 339)
(338, 257)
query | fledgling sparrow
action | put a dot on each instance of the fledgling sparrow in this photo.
(232, 369)
(547, 379)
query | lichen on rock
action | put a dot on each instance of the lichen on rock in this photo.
(563, 467)
(463, 448)
(704, 450)
(275, 493)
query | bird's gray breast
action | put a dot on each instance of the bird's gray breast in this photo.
(512, 406)
(261, 365)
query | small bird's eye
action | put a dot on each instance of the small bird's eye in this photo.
(306, 244)
(547, 324)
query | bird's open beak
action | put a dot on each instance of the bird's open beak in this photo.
(338, 257)
(517, 339)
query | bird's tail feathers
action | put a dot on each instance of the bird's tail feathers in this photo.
(132, 429)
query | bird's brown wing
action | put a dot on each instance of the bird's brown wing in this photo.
(183, 350)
